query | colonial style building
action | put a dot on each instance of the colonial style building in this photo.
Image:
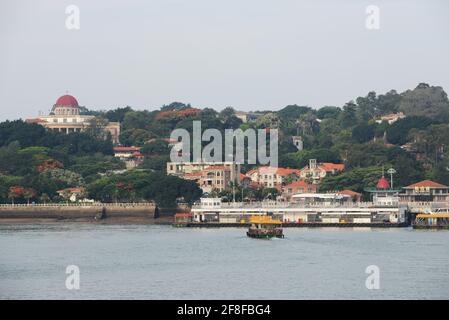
(314, 172)
(298, 187)
(215, 178)
(65, 117)
(130, 155)
(271, 177)
(189, 170)
(425, 191)
(211, 178)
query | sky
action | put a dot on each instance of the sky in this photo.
(248, 54)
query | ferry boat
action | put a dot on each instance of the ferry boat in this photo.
(265, 227)
(438, 219)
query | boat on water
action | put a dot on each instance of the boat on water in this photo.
(265, 227)
(438, 219)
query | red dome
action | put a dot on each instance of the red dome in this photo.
(383, 183)
(67, 101)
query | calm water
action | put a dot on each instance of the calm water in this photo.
(161, 262)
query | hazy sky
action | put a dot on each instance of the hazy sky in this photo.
(249, 54)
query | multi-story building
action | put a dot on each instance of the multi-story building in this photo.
(271, 177)
(247, 116)
(130, 155)
(317, 171)
(298, 187)
(65, 117)
(215, 178)
(190, 169)
(425, 191)
(391, 117)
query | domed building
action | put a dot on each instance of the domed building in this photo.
(65, 117)
(65, 106)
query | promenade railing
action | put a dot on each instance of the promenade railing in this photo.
(81, 204)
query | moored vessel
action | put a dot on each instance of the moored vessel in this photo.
(265, 227)
(439, 219)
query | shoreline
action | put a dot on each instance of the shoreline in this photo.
(166, 220)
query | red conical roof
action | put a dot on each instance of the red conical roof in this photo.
(383, 183)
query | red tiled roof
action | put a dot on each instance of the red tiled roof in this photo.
(350, 193)
(178, 113)
(216, 168)
(194, 174)
(183, 215)
(287, 171)
(242, 176)
(137, 154)
(296, 184)
(274, 170)
(328, 166)
(35, 120)
(426, 184)
(72, 190)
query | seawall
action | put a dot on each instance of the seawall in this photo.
(86, 212)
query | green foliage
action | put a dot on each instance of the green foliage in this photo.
(156, 163)
(330, 134)
(328, 112)
(175, 106)
(138, 185)
(157, 147)
(398, 132)
(363, 132)
(356, 180)
(300, 159)
(293, 112)
(427, 101)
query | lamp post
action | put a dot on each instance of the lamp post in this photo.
(391, 171)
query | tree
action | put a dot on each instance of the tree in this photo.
(293, 112)
(156, 147)
(348, 118)
(397, 133)
(363, 132)
(15, 192)
(44, 198)
(427, 101)
(28, 194)
(97, 126)
(328, 112)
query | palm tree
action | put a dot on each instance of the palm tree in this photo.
(44, 198)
